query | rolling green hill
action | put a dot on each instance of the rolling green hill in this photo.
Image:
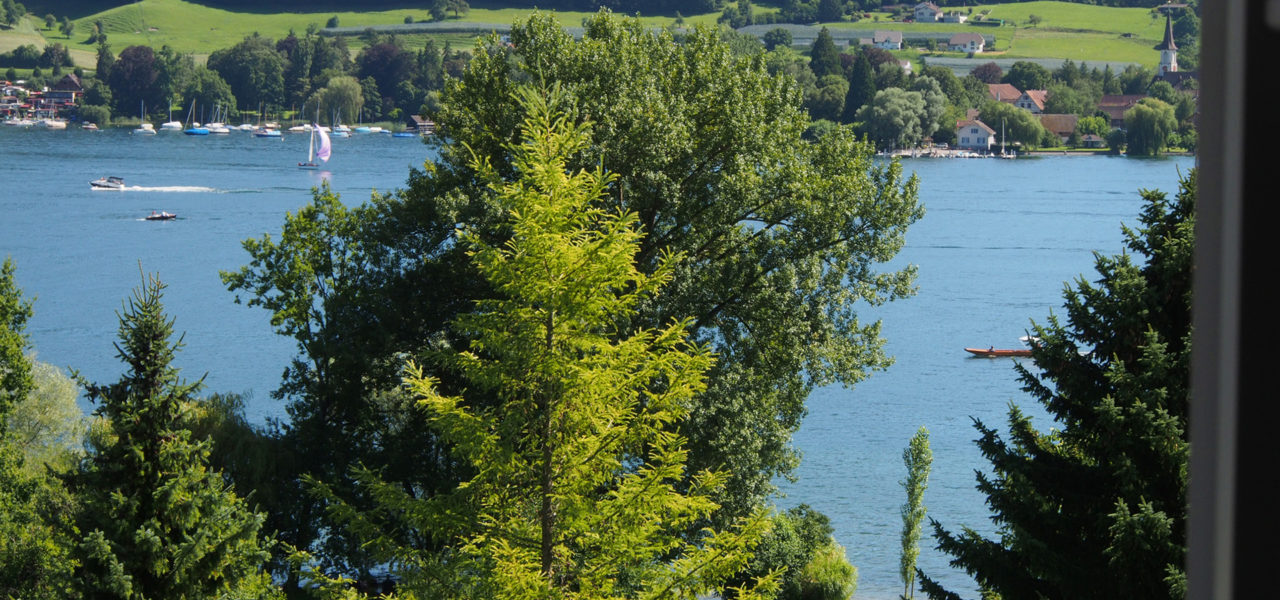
(1067, 30)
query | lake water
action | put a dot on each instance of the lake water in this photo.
(997, 243)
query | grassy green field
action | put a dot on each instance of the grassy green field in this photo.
(198, 29)
(1067, 30)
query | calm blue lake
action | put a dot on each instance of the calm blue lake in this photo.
(998, 242)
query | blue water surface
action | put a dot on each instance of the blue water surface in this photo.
(998, 242)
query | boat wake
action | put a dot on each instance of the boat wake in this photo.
(169, 188)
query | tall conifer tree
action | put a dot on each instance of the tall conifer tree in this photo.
(862, 88)
(1096, 507)
(575, 490)
(157, 522)
(825, 57)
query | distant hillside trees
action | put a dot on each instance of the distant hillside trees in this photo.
(11, 11)
(254, 70)
(1026, 75)
(341, 98)
(133, 80)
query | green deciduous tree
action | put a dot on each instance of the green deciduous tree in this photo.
(935, 104)
(342, 95)
(826, 99)
(206, 88)
(156, 521)
(918, 458)
(1064, 99)
(48, 425)
(1019, 125)
(255, 71)
(777, 37)
(800, 546)
(830, 10)
(893, 118)
(1026, 75)
(1148, 126)
(782, 236)
(34, 507)
(1096, 507)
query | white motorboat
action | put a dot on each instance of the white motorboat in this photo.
(108, 183)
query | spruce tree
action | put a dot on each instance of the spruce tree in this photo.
(825, 57)
(157, 523)
(862, 88)
(1096, 506)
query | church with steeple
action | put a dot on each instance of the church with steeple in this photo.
(1168, 69)
(1168, 49)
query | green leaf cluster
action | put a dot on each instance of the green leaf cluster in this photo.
(34, 507)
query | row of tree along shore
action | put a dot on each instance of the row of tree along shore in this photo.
(652, 259)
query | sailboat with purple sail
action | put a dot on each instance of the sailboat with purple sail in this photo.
(317, 151)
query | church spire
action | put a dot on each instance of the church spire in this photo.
(1168, 44)
(1168, 49)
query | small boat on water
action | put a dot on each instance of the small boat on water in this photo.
(89, 127)
(994, 352)
(108, 183)
(51, 123)
(194, 128)
(161, 216)
(320, 150)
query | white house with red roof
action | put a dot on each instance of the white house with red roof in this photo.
(974, 135)
(1032, 100)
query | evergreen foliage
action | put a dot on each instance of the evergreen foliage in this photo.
(1096, 507)
(862, 88)
(156, 521)
(824, 56)
(574, 492)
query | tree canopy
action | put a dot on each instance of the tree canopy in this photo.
(781, 239)
(1148, 126)
(554, 508)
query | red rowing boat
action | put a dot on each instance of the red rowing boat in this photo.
(998, 352)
